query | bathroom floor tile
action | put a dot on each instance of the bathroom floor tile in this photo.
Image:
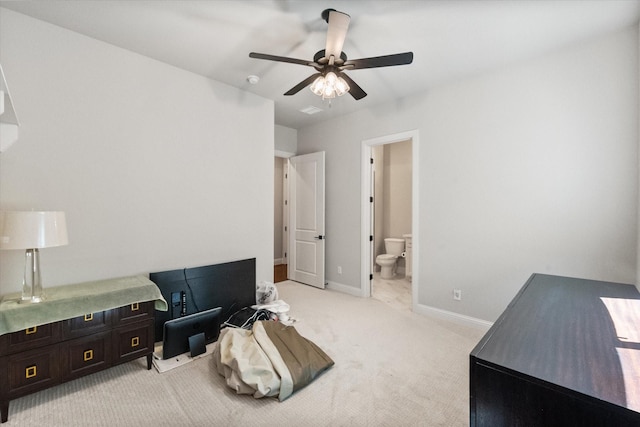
(395, 292)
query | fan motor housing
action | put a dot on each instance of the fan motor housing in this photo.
(319, 58)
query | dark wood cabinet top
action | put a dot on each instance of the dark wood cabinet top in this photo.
(582, 335)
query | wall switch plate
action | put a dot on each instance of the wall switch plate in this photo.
(457, 294)
(339, 270)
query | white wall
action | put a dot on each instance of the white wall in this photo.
(531, 168)
(157, 168)
(397, 189)
(638, 249)
(286, 140)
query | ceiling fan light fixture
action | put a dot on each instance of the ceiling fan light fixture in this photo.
(329, 85)
(329, 80)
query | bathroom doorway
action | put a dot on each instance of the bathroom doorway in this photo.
(389, 210)
(392, 220)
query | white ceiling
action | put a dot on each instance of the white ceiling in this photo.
(449, 39)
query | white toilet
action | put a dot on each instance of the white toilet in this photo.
(387, 262)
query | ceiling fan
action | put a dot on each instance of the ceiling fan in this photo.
(331, 62)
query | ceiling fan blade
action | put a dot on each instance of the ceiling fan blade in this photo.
(355, 90)
(306, 82)
(282, 59)
(337, 32)
(379, 61)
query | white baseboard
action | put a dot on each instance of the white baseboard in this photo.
(346, 289)
(278, 261)
(424, 310)
(452, 317)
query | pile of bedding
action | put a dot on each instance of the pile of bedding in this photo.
(271, 360)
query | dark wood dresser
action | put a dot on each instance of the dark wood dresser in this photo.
(566, 352)
(48, 354)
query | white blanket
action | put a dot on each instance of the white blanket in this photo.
(271, 360)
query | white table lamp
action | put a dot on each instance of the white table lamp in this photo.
(31, 231)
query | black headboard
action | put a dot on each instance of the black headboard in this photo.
(231, 285)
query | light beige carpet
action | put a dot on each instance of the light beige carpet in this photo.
(392, 367)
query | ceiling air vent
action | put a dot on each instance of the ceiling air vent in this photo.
(311, 110)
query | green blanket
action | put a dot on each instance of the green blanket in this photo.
(65, 302)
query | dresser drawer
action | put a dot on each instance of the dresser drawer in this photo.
(133, 341)
(134, 313)
(86, 355)
(87, 324)
(32, 370)
(30, 338)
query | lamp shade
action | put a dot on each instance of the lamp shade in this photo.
(32, 230)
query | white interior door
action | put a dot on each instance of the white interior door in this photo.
(306, 219)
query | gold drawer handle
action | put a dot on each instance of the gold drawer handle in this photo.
(88, 355)
(135, 341)
(30, 331)
(135, 306)
(31, 371)
(88, 317)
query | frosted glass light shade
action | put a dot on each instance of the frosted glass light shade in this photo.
(329, 85)
(342, 86)
(317, 86)
(32, 229)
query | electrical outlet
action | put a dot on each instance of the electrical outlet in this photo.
(457, 294)
(339, 270)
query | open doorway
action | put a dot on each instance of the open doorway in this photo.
(280, 219)
(390, 178)
(392, 182)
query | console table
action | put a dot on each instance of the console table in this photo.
(78, 330)
(565, 352)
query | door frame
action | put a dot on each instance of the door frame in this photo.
(366, 207)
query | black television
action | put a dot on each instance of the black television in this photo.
(178, 331)
(230, 285)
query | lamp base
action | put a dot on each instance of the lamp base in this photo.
(32, 284)
(33, 300)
